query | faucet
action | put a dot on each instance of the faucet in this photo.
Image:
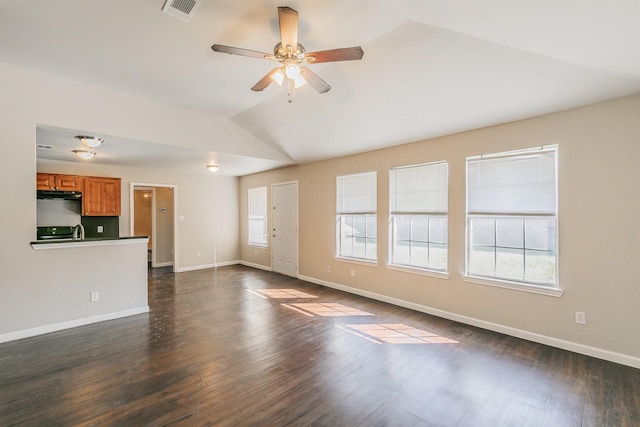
(78, 230)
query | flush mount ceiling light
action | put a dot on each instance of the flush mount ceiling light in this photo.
(90, 141)
(84, 154)
(213, 168)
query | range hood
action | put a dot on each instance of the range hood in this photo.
(64, 195)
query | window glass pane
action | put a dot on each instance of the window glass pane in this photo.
(540, 267)
(483, 231)
(371, 249)
(482, 260)
(360, 225)
(372, 227)
(401, 252)
(347, 236)
(420, 229)
(419, 254)
(510, 263)
(403, 228)
(359, 247)
(438, 256)
(540, 233)
(510, 232)
(438, 230)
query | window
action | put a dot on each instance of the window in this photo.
(258, 216)
(511, 216)
(356, 221)
(418, 215)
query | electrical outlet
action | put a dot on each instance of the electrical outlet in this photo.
(198, 254)
(100, 229)
(255, 253)
(581, 318)
(95, 296)
(353, 273)
(329, 268)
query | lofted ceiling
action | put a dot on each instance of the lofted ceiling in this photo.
(430, 68)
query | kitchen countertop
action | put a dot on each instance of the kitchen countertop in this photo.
(70, 243)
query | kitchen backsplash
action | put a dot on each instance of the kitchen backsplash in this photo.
(101, 227)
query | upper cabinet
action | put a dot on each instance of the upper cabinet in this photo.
(49, 181)
(101, 197)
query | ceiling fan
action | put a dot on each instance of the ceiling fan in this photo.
(292, 57)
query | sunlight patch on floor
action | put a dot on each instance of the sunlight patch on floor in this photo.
(327, 309)
(398, 333)
(281, 293)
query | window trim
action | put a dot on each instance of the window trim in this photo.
(551, 289)
(349, 212)
(266, 219)
(394, 212)
(516, 286)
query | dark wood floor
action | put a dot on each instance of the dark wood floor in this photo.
(212, 351)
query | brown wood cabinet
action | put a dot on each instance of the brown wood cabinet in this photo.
(101, 196)
(49, 181)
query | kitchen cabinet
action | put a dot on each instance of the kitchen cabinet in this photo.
(101, 197)
(49, 181)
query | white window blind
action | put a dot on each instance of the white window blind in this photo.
(258, 216)
(419, 189)
(356, 193)
(523, 183)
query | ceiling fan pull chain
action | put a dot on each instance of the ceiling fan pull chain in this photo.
(291, 89)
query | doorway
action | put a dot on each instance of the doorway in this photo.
(153, 208)
(285, 228)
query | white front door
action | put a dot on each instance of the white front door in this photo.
(284, 229)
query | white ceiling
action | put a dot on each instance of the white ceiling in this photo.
(430, 67)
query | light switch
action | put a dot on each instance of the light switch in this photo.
(181, 218)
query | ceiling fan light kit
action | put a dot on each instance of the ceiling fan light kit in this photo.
(90, 142)
(291, 56)
(84, 154)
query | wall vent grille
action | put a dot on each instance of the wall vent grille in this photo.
(181, 9)
(44, 147)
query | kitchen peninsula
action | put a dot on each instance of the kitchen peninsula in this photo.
(94, 280)
(91, 279)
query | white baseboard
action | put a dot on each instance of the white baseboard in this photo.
(205, 266)
(599, 353)
(259, 266)
(162, 264)
(40, 330)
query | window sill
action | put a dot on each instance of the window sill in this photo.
(516, 286)
(257, 245)
(357, 261)
(420, 271)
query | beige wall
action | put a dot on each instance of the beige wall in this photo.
(599, 238)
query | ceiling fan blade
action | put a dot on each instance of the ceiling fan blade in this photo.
(238, 51)
(288, 27)
(333, 55)
(316, 82)
(265, 81)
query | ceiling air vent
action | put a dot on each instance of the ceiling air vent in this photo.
(181, 9)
